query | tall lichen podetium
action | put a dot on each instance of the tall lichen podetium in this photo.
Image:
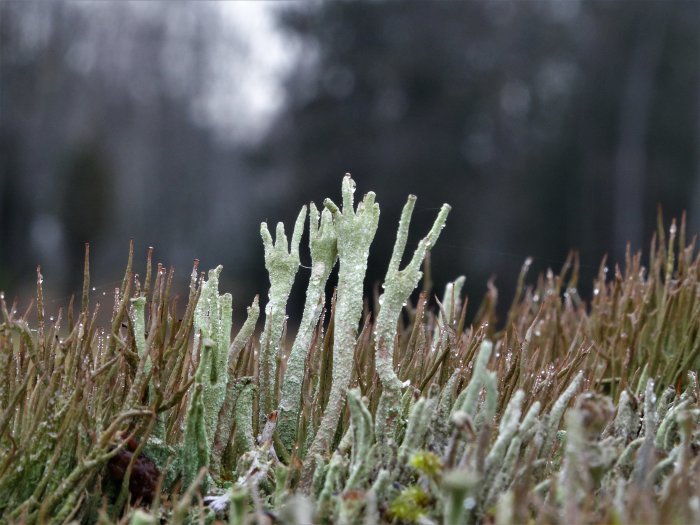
(282, 263)
(212, 333)
(468, 399)
(137, 315)
(355, 231)
(234, 386)
(398, 286)
(194, 451)
(212, 323)
(324, 251)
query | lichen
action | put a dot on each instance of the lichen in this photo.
(566, 413)
(323, 247)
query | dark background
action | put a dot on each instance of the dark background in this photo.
(548, 126)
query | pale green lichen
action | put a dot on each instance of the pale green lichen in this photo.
(469, 397)
(194, 453)
(510, 424)
(451, 304)
(328, 503)
(226, 413)
(323, 246)
(243, 438)
(558, 410)
(460, 495)
(416, 430)
(138, 321)
(282, 263)
(626, 423)
(212, 324)
(212, 332)
(362, 440)
(575, 481)
(398, 286)
(355, 232)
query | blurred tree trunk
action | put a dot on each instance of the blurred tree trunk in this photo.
(630, 158)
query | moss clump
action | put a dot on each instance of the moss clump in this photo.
(427, 463)
(409, 506)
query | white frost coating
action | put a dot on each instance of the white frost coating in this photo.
(212, 323)
(138, 306)
(324, 251)
(558, 410)
(282, 263)
(226, 413)
(355, 232)
(468, 398)
(137, 315)
(452, 290)
(398, 285)
(507, 429)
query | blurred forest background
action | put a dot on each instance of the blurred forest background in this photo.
(547, 125)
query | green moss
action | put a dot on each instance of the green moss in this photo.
(427, 463)
(409, 506)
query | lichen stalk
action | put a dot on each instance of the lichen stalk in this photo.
(226, 413)
(212, 324)
(323, 247)
(282, 263)
(398, 286)
(355, 230)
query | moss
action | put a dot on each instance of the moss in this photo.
(427, 463)
(409, 506)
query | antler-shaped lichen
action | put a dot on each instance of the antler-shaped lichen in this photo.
(282, 263)
(323, 246)
(398, 285)
(355, 231)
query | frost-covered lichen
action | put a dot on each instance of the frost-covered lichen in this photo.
(323, 247)
(398, 286)
(212, 326)
(355, 231)
(282, 263)
(232, 398)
